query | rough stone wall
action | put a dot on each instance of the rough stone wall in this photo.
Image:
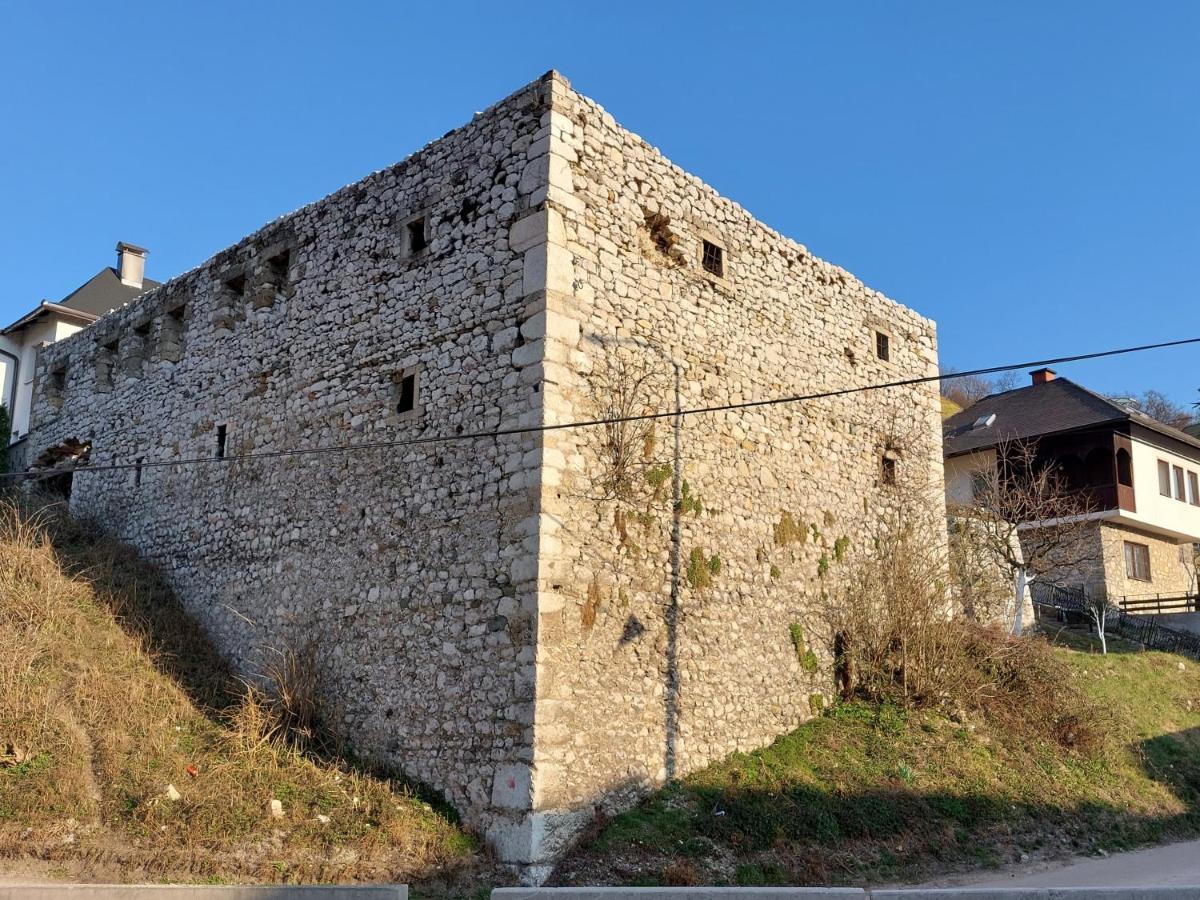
(410, 572)
(1168, 573)
(633, 687)
(530, 623)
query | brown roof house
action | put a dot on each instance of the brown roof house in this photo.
(1141, 480)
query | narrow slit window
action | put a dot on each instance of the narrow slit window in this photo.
(221, 435)
(888, 469)
(406, 400)
(417, 239)
(883, 346)
(713, 259)
(137, 472)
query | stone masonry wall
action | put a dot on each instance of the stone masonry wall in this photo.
(633, 686)
(410, 572)
(531, 623)
(1168, 574)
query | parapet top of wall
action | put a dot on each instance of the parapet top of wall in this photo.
(283, 232)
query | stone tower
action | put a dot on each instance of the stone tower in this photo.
(536, 622)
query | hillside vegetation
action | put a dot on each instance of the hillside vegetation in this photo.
(128, 752)
(877, 793)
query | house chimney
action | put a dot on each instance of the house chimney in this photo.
(1043, 376)
(131, 263)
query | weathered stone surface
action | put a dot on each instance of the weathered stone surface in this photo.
(507, 619)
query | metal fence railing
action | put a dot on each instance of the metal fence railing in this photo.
(1143, 628)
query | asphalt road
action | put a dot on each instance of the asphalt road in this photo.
(1173, 865)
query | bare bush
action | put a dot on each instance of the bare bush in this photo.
(899, 638)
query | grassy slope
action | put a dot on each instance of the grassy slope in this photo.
(863, 794)
(110, 696)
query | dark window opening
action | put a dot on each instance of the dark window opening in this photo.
(237, 284)
(713, 259)
(221, 433)
(407, 401)
(278, 266)
(1137, 561)
(58, 380)
(1124, 468)
(416, 236)
(142, 330)
(137, 472)
(883, 348)
(888, 469)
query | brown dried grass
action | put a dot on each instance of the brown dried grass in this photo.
(114, 694)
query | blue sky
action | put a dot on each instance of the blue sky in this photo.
(1027, 174)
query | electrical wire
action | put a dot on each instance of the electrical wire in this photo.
(593, 423)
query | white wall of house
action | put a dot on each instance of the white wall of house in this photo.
(961, 472)
(1177, 515)
(24, 345)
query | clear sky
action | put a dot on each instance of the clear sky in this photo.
(1025, 173)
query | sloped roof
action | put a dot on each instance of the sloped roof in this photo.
(1056, 406)
(88, 302)
(104, 291)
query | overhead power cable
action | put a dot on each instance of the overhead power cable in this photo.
(593, 423)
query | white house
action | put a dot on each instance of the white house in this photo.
(1141, 477)
(52, 321)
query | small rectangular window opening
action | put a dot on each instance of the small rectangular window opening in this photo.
(713, 259)
(416, 236)
(1137, 561)
(883, 347)
(278, 266)
(1193, 489)
(888, 469)
(137, 472)
(237, 284)
(1180, 490)
(407, 400)
(221, 432)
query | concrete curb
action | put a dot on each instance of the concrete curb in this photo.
(788, 893)
(681, 893)
(201, 892)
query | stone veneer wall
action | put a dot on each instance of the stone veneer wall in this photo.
(623, 699)
(411, 571)
(1168, 574)
(493, 616)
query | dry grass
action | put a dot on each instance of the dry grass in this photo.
(110, 697)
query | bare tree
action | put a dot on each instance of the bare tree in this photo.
(964, 389)
(1097, 606)
(1158, 405)
(1028, 523)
